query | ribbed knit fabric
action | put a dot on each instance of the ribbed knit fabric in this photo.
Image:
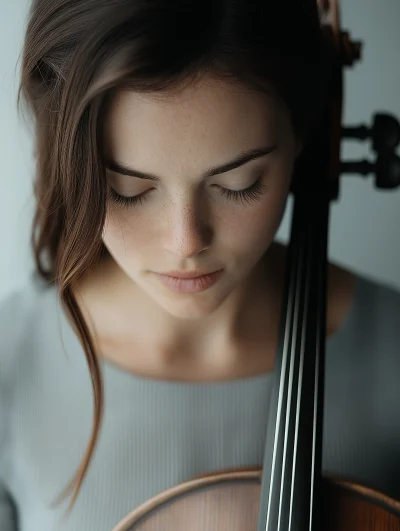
(156, 434)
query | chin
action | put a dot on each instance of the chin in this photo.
(193, 306)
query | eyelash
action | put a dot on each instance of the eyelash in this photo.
(248, 195)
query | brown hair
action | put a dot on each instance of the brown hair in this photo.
(78, 52)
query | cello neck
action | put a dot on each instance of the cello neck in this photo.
(293, 452)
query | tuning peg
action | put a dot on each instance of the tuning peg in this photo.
(386, 169)
(385, 132)
(351, 50)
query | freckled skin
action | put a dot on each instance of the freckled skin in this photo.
(186, 224)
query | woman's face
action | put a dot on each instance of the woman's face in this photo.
(187, 218)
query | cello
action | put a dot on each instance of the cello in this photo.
(289, 492)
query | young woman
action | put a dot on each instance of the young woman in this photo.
(166, 135)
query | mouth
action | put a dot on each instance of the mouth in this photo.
(187, 275)
(190, 282)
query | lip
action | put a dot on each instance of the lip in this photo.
(190, 274)
(188, 284)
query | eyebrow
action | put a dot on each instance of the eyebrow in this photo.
(241, 160)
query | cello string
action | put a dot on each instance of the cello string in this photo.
(271, 475)
(291, 426)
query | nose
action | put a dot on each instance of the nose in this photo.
(188, 231)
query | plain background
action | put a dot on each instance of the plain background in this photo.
(365, 222)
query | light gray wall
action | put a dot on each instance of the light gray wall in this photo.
(365, 223)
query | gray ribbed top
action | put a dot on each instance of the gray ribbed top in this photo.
(156, 434)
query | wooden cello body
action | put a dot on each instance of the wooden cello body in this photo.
(230, 501)
(289, 492)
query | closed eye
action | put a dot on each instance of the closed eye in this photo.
(246, 195)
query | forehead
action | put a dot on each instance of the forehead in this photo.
(211, 116)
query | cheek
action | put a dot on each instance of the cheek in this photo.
(124, 234)
(252, 228)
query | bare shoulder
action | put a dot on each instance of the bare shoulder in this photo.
(341, 291)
